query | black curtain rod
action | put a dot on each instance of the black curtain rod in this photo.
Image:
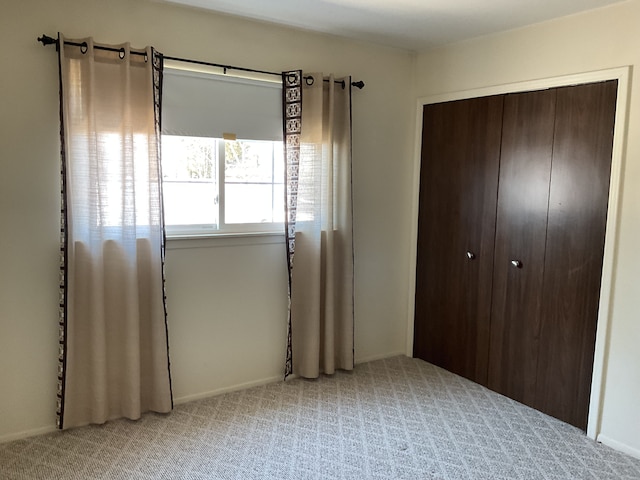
(47, 40)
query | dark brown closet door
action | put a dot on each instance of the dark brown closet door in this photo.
(523, 195)
(575, 246)
(458, 184)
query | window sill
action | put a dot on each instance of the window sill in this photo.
(178, 242)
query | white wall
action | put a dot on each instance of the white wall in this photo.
(220, 335)
(597, 40)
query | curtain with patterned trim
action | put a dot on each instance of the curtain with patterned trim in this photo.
(113, 332)
(319, 225)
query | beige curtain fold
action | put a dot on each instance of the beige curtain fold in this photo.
(114, 353)
(321, 291)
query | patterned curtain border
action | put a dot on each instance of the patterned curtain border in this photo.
(62, 304)
(292, 122)
(353, 248)
(158, 77)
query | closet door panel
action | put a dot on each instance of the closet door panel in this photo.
(575, 245)
(458, 185)
(525, 170)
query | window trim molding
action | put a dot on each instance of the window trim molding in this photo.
(187, 242)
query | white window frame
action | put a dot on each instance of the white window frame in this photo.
(223, 228)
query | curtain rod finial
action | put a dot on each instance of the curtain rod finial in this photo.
(47, 40)
(359, 84)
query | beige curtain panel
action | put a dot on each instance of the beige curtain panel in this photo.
(321, 290)
(113, 335)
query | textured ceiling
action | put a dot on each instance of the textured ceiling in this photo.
(409, 24)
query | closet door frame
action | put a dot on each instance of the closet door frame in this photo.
(621, 74)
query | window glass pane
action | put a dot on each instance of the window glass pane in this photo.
(185, 158)
(248, 203)
(190, 203)
(278, 203)
(248, 161)
(190, 183)
(278, 162)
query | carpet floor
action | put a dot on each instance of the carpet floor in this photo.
(398, 418)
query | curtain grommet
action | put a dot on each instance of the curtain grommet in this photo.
(84, 47)
(121, 53)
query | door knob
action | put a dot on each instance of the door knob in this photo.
(471, 255)
(516, 263)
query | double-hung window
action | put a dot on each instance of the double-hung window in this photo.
(222, 154)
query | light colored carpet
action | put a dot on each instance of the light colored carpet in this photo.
(398, 418)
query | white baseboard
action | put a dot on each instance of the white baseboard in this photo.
(27, 433)
(380, 357)
(621, 447)
(198, 396)
(232, 388)
(52, 428)
(265, 381)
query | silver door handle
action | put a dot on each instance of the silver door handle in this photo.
(471, 255)
(516, 263)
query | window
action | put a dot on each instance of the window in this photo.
(213, 185)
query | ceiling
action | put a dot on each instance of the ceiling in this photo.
(410, 24)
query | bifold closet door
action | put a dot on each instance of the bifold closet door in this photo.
(521, 225)
(513, 207)
(550, 230)
(579, 192)
(456, 227)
